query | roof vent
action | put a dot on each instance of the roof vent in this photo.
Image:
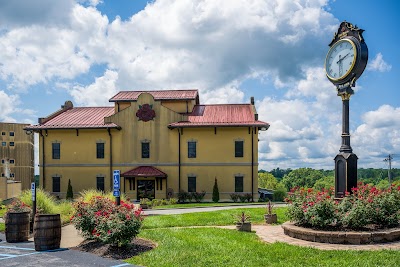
(256, 116)
(252, 100)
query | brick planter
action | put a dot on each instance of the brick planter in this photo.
(341, 237)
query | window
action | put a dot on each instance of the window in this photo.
(238, 149)
(100, 183)
(145, 150)
(11, 133)
(2, 161)
(191, 184)
(100, 150)
(238, 183)
(12, 161)
(3, 143)
(3, 133)
(2, 175)
(56, 150)
(11, 143)
(56, 184)
(12, 175)
(191, 149)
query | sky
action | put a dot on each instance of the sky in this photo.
(230, 50)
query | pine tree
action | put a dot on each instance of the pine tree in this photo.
(70, 193)
(215, 195)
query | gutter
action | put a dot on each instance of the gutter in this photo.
(111, 162)
(43, 162)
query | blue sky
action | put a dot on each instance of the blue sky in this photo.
(86, 51)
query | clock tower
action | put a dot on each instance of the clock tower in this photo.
(345, 62)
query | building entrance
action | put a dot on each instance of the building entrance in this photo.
(145, 189)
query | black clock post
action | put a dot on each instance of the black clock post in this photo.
(344, 77)
(346, 160)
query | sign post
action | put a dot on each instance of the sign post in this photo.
(117, 186)
(33, 190)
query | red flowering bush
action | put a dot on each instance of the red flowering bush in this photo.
(18, 206)
(101, 219)
(366, 206)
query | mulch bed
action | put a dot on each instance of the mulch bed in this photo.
(136, 247)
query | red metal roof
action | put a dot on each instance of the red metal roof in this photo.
(80, 117)
(158, 95)
(221, 115)
(144, 171)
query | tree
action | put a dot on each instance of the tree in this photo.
(267, 180)
(303, 177)
(215, 195)
(325, 182)
(70, 193)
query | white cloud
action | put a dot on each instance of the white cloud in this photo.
(378, 64)
(379, 134)
(97, 93)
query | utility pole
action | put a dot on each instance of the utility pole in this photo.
(389, 159)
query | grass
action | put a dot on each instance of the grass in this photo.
(222, 217)
(223, 247)
(205, 204)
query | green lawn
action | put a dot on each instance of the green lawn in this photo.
(222, 217)
(205, 204)
(223, 247)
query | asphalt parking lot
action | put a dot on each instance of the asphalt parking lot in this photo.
(24, 254)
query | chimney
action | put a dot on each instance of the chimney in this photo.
(252, 100)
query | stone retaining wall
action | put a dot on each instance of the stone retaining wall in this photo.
(341, 237)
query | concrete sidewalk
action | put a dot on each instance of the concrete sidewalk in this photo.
(70, 237)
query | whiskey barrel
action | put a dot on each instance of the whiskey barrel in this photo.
(17, 226)
(47, 231)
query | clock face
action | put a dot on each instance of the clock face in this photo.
(340, 60)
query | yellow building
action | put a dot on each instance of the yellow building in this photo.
(161, 141)
(16, 153)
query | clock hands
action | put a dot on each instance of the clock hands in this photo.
(340, 62)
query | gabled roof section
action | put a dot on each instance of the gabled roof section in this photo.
(78, 118)
(227, 115)
(129, 96)
(144, 171)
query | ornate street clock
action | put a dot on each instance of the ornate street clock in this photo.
(347, 56)
(345, 62)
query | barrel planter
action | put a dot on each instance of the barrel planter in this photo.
(17, 226)
(47, 231)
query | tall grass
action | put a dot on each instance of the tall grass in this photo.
(86, 195)
(48, 204)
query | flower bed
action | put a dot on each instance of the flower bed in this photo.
(365, 209)
(102, 220)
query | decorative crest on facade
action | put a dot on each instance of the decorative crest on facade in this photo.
(146, 113)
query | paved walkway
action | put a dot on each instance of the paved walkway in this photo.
(274, 233)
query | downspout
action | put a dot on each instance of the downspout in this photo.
(43, 162)
(111, 162)
(252, 164)
(179, 160)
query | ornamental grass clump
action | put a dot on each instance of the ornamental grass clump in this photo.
(367, 207)
(102, 220)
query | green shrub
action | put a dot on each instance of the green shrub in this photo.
(199, 196)
(215, 195)
(279, 192)
(182, 196)
(101, 219)
(234, 197)
(242, 198)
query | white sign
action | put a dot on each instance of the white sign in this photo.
(33, 187)
(116, 180)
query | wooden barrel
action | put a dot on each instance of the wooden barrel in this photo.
(17, 226)
(47, 231)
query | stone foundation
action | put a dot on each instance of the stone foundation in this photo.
(341, 237)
